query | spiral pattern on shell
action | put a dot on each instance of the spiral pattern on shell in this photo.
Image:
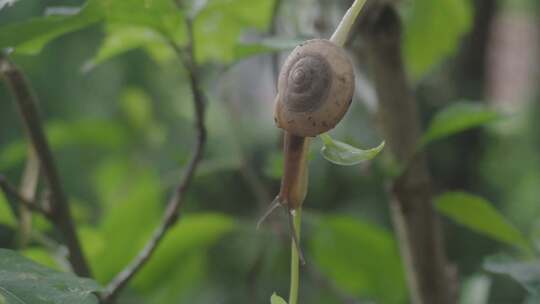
(315, 88)
(308, 83)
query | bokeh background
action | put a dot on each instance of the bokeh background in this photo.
(118, 113)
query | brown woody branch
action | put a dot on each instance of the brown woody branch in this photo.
(430, 278)
(172, 212)
(60, 213)
(11, 191)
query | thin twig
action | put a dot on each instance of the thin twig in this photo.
(28, 188)
(172, 212)
(60, 210)
(11, 191)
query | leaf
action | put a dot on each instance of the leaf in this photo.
(162, 16)
(29, 37)
(6, 213)
(458, 117)
(266, 45)
(88, 133)
(525, 273)
(345, 250)
(40, 256)
(275, 299)
(479, 215)
(132, 210)
(192, 235)
(6, 3)
(475, 290)
(220, 23)
(133, 24)
(123, 38)
(23, 281)
(532, 299)
(344, 154)
(433, 30)
(180, 282)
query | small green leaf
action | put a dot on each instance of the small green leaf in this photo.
(433, 30)
(275, 299)
(525, 273)
(23, 281)
(458, 117)
(344, 154)
(30, 36)
(479, 215)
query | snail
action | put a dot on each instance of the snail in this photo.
(315, 90)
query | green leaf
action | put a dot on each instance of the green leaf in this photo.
(123, 38)
(433, 30)
(220, 23)
(29, 37)
(525, 273)
(6, 214)
(89, 133)
(458, 117)
(162, 16)
(344, 154)
(180, 283)
(41, 256)
(345, 250)
(275, 299)
(23, 281)
(133, 24)
(7, 3)
(193, 234)
(479, 215)
(475, 290)
(131, 209)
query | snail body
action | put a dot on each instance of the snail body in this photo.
(315, 88)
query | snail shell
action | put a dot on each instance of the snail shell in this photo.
(315, 88)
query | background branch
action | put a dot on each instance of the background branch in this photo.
(60, 211)
(11, 191)
(172, 212)
(417, 226)
(28, 189)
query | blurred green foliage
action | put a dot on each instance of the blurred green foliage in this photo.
(118, 115)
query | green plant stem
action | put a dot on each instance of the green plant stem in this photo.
(343, 29)
(295, 259)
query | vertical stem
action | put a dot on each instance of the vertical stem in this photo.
(295, 259)
(29, 183)
(292, 194)
(430, 277)
(342, 31)
(27, 105)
